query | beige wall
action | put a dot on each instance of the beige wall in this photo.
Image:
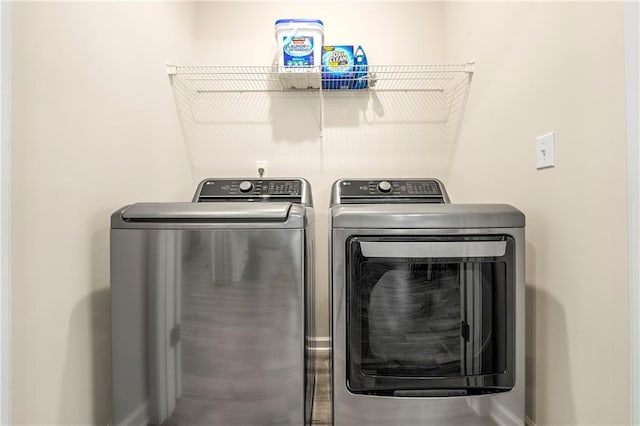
(94, 128)
(555, 67)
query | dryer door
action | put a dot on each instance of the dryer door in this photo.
(430, 316)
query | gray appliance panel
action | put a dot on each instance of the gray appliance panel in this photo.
(229, 188)
(208, 326)
(337, 190)
(426, 216)
(350, 409)
(240, 215)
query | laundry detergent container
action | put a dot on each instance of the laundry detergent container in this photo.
(299, 52)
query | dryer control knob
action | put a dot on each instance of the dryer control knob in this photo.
(245, 186)
(384, 186)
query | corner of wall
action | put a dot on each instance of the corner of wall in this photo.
(5, 212)
(632, 70)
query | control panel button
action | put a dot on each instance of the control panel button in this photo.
(245, 186)
(384, 186)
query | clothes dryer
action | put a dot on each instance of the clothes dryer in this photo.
(427, 307)
(210, 305)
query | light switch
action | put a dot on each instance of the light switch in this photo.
(544, 151)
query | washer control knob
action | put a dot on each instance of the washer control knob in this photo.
(384, 186)
(245, 186)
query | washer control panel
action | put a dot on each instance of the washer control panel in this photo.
(348, 191)
(249, 189)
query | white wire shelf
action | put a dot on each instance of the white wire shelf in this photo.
(405, 104)
(203, 79)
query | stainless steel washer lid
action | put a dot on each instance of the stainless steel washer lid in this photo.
(198, 215)
(426, 216)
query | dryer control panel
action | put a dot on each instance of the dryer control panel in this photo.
(376, 191)
(295, 190)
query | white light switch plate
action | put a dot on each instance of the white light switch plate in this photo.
(544, 151)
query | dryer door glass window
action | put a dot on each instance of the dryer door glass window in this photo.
(430, 315)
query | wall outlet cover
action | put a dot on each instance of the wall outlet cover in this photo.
(261, 168)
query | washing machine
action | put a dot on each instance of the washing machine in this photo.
(211, 303)
(427, 307)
